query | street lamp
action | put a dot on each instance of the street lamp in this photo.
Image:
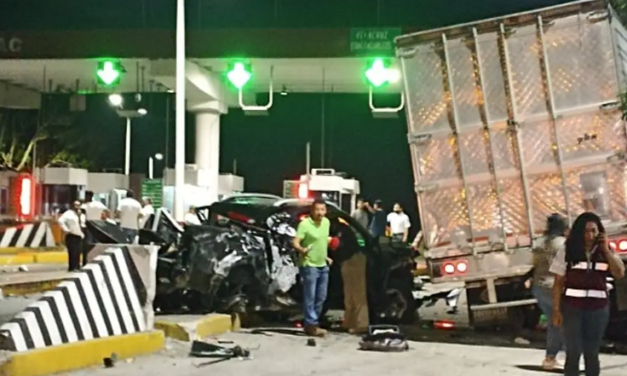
(151, 164)
(116, 100)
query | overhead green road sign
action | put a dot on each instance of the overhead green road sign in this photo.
(108, 73)
(374, 41)
(153, 189)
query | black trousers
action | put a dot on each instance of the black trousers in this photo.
(74, 246)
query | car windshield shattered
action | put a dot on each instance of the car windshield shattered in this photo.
(240, 259)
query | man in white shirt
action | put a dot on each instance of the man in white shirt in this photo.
(129, 212)
(70, 222)
(399, 224)
(191, 218)
(93, 212)
(93, 209)
(146, 211)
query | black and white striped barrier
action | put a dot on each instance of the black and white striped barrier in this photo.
(30, 235)
(109, 297)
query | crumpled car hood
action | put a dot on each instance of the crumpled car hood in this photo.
(211, 254)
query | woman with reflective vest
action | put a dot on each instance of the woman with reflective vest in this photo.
(580, 296)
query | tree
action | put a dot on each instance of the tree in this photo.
(18, 136)
(23, 131)
(620, 6)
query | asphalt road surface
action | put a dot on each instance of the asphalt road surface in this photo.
(11, 306)
(31, 273)
(286, 354)
(431, 353)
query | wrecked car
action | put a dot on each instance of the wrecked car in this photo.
(241, 260)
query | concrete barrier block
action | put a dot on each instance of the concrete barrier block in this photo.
(192, 327)
(106, 298)
(18, 250)
(29, 235)
(78, 355)
(60, 257)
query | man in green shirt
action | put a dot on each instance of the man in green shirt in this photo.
(312, 241)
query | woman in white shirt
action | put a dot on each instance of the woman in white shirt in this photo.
(70, 222)
(542, 284)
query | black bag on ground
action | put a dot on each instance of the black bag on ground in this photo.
(384, 338)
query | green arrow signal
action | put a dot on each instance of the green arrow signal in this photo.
(108, 74)
(239, 76)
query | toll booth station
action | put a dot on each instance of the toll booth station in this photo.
(59, 186)
(197, 189)
(327, 184)
(108, 187)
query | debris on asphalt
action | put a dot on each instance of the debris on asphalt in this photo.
(521, 341)
(311, 342)
(22, 268)
(220, 353)
(108, 362)
(385, 338)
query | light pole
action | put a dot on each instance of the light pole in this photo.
(116, 100)
(151, 164)
(179, 162)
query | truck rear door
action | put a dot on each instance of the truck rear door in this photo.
(512, 120)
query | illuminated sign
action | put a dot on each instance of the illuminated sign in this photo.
(24, 193)
(303, 191)
(10, 45)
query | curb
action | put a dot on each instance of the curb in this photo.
(34, 258)
(29, 288)
(83, 354)
(15, 250)
(206, 326)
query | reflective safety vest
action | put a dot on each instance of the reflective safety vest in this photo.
(585, 283)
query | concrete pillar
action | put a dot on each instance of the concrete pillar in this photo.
(208, 148)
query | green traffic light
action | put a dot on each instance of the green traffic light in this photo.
(108, 73)
(239, 76)
(378, 74)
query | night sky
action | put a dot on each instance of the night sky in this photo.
(268, 149)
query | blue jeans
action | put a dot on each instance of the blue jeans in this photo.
(583, 333)
(315, 283)
(554, 339)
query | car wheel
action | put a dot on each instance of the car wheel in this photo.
(401, 306)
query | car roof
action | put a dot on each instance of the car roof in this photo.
(301, 202)
(261, 195)
(251, 199)
(260, 211)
